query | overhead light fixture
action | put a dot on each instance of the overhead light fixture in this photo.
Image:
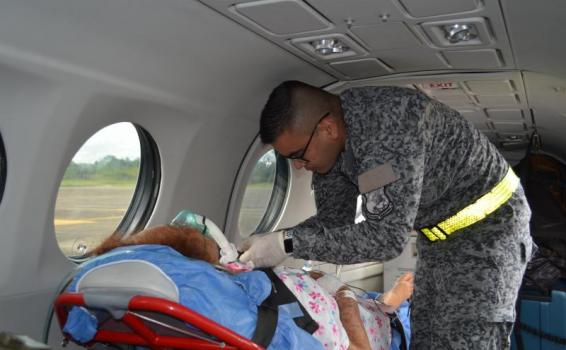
(329, 46)
(458, 33)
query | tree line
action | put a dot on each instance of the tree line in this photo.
(107, 170)
(110, 170)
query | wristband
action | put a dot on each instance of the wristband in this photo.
(287, 242)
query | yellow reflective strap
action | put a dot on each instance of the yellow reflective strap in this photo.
(478, 210)
(438, 233)
(429, 234)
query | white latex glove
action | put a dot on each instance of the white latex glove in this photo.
(330, 283)
(263, 250)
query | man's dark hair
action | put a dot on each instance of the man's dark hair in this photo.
(279, 112)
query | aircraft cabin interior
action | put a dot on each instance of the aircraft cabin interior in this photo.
(117, 115)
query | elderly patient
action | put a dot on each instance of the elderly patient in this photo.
(344, 321)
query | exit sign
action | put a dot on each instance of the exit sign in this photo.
(442, 85)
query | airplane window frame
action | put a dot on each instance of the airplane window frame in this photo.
(147, 187)
(276, 203)
(146, 192)
(278, 194)
(3, 167)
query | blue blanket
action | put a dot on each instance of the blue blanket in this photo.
(230, 300)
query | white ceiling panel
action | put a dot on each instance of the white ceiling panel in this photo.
(420, 8)
(361, 68)
(175, 49)
(412, 59)
(458, 103)
(476, 116)
(473, 59)
(498, 100)
(274, 16)
(492, 87)
(509, 127)
(514, 115)
(358, 12)
(441, 95)
(398, 34)
(503, 117)
(386, 36)
(457, 91)
(537, 34)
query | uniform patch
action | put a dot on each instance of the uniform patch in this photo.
(376, 204)
(377, 177)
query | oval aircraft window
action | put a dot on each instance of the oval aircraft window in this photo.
(264, 194)
(110, 185)
(2, 168)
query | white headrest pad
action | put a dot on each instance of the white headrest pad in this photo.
(135, 276)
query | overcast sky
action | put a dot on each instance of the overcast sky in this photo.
(120, 140)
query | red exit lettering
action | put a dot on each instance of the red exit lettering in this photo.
(441, 85)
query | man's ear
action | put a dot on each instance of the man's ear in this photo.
(330, 126)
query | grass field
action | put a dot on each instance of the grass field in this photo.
(85, 215)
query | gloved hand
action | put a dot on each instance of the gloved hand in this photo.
(264, 250)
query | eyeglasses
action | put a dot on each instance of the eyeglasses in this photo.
(301, 154)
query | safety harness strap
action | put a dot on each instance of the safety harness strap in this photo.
(266, 325)
(268, 311)
(396, 324)
(476, 211)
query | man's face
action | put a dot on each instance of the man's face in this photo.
(315, 151)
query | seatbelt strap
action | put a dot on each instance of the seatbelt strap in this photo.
(268, 311)
(267, 315)
(285, 296)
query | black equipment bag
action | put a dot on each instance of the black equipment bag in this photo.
(544, 180)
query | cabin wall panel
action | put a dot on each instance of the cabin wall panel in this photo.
(25, 101)
(25, 314)
(44, 123)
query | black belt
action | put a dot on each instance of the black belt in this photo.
(268, 311)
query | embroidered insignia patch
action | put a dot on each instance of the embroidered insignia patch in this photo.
(376, 204)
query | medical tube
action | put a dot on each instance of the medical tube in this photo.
(228, 251)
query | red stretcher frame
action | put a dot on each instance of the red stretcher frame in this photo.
(142, 335)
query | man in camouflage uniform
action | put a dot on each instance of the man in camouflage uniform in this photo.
(416, 162)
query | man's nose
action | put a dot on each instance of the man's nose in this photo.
(298, 164)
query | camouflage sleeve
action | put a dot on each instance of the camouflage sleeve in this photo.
(335, 198)
(397, 143)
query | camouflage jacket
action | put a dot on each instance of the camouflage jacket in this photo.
(414, 160)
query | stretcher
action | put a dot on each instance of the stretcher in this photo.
(134, 302)
(151, 322)
(152, 296)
